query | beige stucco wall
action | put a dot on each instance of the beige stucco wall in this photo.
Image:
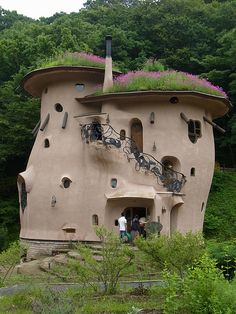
(91, 166)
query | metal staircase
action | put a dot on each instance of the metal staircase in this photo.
(172, 180)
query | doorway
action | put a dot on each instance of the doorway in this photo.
(131, 212)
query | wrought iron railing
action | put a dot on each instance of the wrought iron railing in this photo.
(172, 180)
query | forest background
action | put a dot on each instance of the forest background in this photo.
(194, 36)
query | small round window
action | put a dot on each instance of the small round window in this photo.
(58, 107)
(66, 182)
(174, 100)
(79, 87)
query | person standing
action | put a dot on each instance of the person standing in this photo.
(122, 225)
(135, 228)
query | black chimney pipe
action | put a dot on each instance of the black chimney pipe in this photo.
(108, 45)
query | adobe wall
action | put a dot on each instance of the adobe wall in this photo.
(58, 213)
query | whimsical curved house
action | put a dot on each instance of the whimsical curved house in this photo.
(149, 153)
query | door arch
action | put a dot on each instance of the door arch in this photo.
(174, 218)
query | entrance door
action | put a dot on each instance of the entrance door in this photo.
(131, 212)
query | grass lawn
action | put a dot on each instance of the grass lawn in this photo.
(82, 301)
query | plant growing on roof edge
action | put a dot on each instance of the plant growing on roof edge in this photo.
(165, 81)
(74, 59)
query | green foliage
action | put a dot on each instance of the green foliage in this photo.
(9, 221)
(224, 253)
(153, 65)
(164, 81)
(177, 252)
(202, 291)
(51, 301)
(8, 260)
(220, 214)
(71, 60)
(114, 259)
(75, 59)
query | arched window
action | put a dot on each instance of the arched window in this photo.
(202, 207)
(96, 131)
(192, 172)
(122, 134)
(194, 130)
(113, 183)
(46, 143)
(136, 135)
(95, 220)
(23, 196)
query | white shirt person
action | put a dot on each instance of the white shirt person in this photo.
(122, 225)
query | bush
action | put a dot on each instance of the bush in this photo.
(177, 252)
(225, 255)
(153, 65)
(220, 213)
(203, 291)
(8, 260)
(115, 259)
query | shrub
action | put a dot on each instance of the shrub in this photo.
(8, 260)
(220, 213)
(202, 291)
(225, 255)
(177, 252)
(115, 259)
(153, 65)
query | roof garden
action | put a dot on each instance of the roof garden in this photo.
(163, 81)
(75, 59)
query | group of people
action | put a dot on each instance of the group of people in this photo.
(137, 227)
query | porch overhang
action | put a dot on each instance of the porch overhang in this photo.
(139, 193)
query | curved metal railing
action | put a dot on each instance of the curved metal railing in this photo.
(167, 177)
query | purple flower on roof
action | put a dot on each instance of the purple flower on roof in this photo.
(91, 57)
(125, 78)
(86, 56)
(183, 79)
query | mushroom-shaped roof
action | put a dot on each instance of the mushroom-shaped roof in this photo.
(62, 67)
(217, 105)
(158, 86)
(35, 81)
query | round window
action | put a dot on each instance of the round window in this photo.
(58, 107)
(174, 100)
(66, 182)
